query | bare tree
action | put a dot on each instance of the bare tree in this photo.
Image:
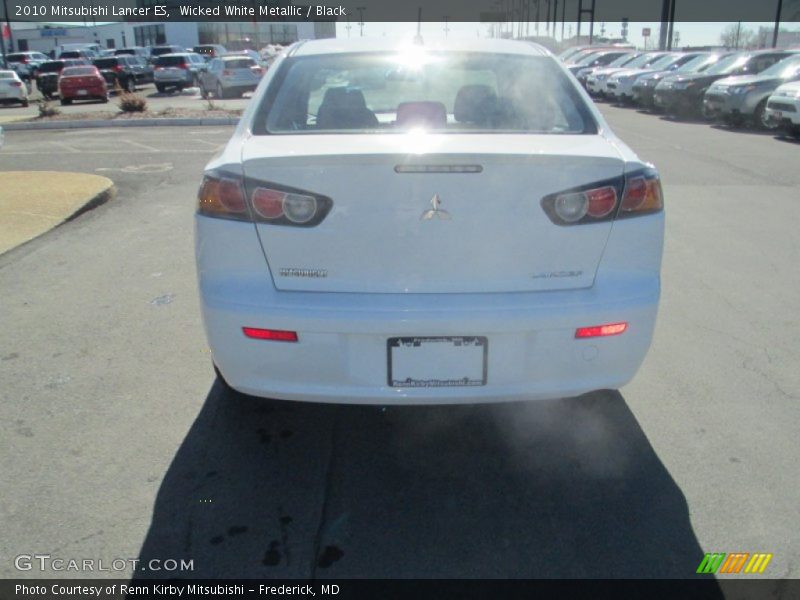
(736, 36)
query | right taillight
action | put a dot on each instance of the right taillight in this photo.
(636, 193)
(642, 194)
(228, 197)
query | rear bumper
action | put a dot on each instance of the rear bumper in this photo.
(91, 92)
(341, 355)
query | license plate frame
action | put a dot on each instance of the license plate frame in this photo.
(474, 349)
(83, 92)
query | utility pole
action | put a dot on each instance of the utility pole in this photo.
(361, 10)
(777, 24)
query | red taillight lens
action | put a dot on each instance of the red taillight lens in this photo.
(183, 66)
(222, 197)
(16, 84)
(275, 335)
(601, 330)
(601, 201)
(118, 68)
(159, 68)
(25, 60)
(642, 195)
(268, 203)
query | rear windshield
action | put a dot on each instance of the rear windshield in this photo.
(106, 63)
(240, 63)
(449, 92)
(171, 61)
(74, 71)
(71, 54)
(16, 57)
(125, 51)
(51, 67)
(7, 75)
(163, 50)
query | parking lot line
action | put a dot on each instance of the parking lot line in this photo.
(140, 145)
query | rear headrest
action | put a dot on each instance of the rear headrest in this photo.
(344, 97)
(475, 104)
(421, 114)
(345, 108)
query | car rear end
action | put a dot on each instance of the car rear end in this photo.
(173, 70)
(12, 88)
(425, 238)
(111, 69)
(82, 83)
(240, 74)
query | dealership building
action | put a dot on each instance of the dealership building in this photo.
(47, 37)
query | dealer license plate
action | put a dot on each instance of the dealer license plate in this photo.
(83, 93)
(437, 361)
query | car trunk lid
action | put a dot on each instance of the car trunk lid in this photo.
(486, 232)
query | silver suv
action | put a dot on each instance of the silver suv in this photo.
(178, 71)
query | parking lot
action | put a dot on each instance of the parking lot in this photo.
(120, 444)
(187, 99)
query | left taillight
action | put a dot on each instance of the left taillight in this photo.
(229, 197)
(222, 197)
(637, 193)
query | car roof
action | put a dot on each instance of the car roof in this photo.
(343, 46)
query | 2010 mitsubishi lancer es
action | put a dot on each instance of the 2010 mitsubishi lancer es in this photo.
(426, 224)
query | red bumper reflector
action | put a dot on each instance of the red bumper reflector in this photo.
(601, 330)
(270, 334)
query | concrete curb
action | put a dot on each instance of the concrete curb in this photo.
(97, 123)
(90, 203)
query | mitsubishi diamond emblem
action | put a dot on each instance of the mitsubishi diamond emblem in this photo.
(437, 212)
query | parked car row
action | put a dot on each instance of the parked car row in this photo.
(759, 88)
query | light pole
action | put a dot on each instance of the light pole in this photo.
(361, 10)
(777, 24)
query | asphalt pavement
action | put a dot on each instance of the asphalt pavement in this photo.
(118, 442)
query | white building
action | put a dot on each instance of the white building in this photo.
(47, 37)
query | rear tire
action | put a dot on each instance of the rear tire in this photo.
(160, 88)
(219, 92)
(25, 103)
(130, 85)
(66, 101)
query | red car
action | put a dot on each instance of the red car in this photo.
(82, 83)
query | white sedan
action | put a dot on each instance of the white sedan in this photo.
(426, 224)
(12, 88)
